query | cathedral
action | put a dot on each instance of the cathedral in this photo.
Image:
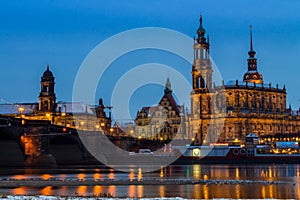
(163, 121)
(229, 112)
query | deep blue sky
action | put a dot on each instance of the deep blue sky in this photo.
(61, 33)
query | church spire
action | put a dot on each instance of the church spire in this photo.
(252, 75)
(251, 53)
(251, 44)
(168, 89)
(201, 32)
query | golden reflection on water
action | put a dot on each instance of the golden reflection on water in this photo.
(237, 173)
(131, 175)
(162, 191)
(81, 190)
(196, 171)
(197, 192)
(19, 177)
(140, 174)
(46, 190)
(297, 191)
(263, 192)
(205, 192)
(46, 176)
(19, 191)
(238, 191)
(140, 191)
(111, 175)
(97, 190)
(97, 176)
(112, 190)
(131, 191)
(81, 176)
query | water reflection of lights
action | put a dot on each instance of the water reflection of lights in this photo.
(46, 176)
(81, 190)
(111, 175)
(97, 190)
(112, 190)
(237, 173)
(19, 191)
(162, 191)
(140, 192)
(131, 175)
(96, 176)
(131, 191)
(46, 190)
(19, 177)
(196, 171)
(197, 191)
(81, 176)
(140, 174)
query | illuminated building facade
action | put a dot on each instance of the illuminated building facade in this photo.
(161, 122)
(237, 107)
(69, 114)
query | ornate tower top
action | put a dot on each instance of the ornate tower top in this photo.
(202, 67)
(252, 75)
(168, 89)
(201, 33)
(47, 96)
(47, 75)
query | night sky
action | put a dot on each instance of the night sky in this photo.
(62, 33)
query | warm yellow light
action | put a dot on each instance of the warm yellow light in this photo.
(63, 114)
(97, 126)
(196, 152)
(111, 129)
(47, 115)
(21, 109)
(161, 138)
(131, 131)
(140, 137)
(102, 124)
(193, 139)
(82, 123)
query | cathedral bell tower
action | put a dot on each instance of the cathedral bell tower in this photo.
(47, 96)
(202, 68)
(252, 75)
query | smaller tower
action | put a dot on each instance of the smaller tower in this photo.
(202, 68)
(252, 75)
(47, 96)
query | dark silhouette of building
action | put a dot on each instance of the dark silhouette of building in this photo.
(47, 96)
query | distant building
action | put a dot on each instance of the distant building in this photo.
(163, 121)
(70, 114)
(47, 96)
(247, 106)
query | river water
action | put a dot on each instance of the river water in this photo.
(258, 182)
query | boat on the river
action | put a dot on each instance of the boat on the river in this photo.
(250, 153)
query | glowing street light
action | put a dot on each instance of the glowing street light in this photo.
(21, 109)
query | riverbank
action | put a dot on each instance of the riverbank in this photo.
(107, 182)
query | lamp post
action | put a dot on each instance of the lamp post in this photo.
(21, 109)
